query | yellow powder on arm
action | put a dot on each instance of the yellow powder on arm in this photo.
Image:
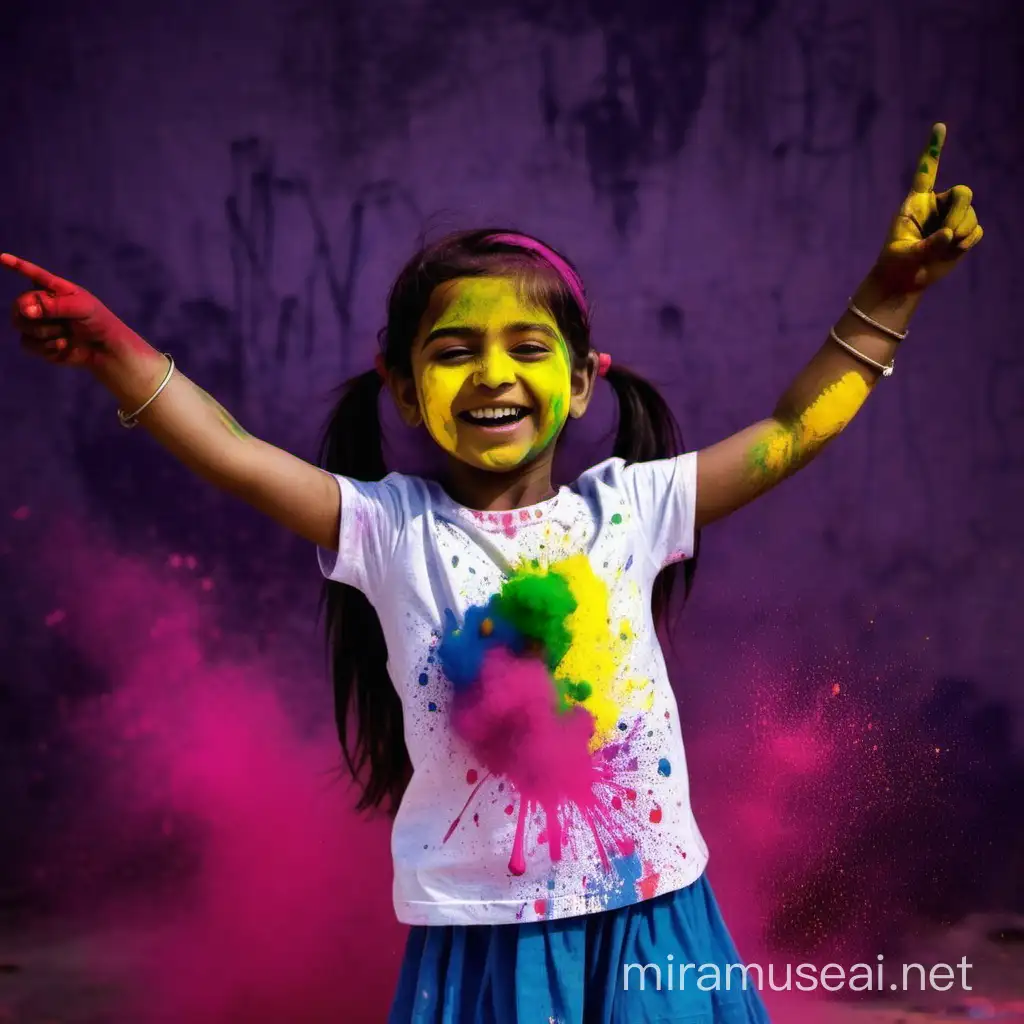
(787, 446)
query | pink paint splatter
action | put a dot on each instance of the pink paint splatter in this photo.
(648, 884)
(511, 722)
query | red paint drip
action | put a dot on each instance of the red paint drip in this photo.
(455, 824)
(648, 885)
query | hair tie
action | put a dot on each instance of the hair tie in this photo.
(380, 366)
(604, 362)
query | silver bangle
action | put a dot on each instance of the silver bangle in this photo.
(883, 368)
(861, 315)
(128, 421)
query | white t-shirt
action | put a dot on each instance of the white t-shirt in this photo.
(423, 561)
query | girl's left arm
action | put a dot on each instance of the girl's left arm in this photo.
(927, 238)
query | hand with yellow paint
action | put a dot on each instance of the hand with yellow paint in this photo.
(931, 231)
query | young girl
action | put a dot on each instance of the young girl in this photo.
(498, 679)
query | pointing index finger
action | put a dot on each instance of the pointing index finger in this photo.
(928, 165)
(38, 276)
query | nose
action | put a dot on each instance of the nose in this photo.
(496, 367)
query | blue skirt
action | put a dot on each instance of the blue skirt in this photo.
(621, 966)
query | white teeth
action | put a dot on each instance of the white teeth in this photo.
(492, 413)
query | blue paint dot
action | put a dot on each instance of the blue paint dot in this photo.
(455, 561)
(472, 571)
(629, 563)
(431, 706)
(622, 726)
(664, 768)
(424, 679)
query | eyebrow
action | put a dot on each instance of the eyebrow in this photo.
(520, 327)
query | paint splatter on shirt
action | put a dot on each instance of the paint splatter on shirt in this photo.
(549, 775)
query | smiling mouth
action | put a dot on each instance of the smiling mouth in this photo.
(500, 416)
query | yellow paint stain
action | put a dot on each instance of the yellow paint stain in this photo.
(833, 409)
(779, 449)
(596, 653)
(784, 446)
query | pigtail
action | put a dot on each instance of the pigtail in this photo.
(648, 430)
(367, 709)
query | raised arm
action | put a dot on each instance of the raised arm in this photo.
(927, 237)
(66, 324)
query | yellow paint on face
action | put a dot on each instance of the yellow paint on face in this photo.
(784, 446)
(528, 368)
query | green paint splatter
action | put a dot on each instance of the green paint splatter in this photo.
(225, 417)
(570, 693)
(537, 606)
(616, 519)
(774, 456)
(923, 169)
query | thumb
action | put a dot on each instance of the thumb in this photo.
(931, 247)
(77, 305)
(936, 243)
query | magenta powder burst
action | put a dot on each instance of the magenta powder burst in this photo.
(511, 721)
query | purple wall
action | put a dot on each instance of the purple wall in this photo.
(240, 181)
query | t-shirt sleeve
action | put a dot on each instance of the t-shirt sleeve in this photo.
(372, 518)
(663, 494)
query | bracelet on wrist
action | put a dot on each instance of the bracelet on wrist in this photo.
(130, 420)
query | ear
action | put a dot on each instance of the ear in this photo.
(403, 391)
(581, 385)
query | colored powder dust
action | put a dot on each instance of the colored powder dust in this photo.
(537, 605)
(512, 723)
(595, 653)
(204, 780)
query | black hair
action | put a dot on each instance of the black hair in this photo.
(367, 708)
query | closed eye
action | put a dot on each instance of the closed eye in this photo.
(531, 349)
(527, 350)
(452, 354)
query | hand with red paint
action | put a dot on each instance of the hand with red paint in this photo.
(931, 231)
(61, 321)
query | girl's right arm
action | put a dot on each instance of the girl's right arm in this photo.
(65, 324)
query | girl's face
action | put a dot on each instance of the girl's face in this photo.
(493, 375)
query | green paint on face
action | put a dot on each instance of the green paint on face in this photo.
(555, 423)
(923, 169)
